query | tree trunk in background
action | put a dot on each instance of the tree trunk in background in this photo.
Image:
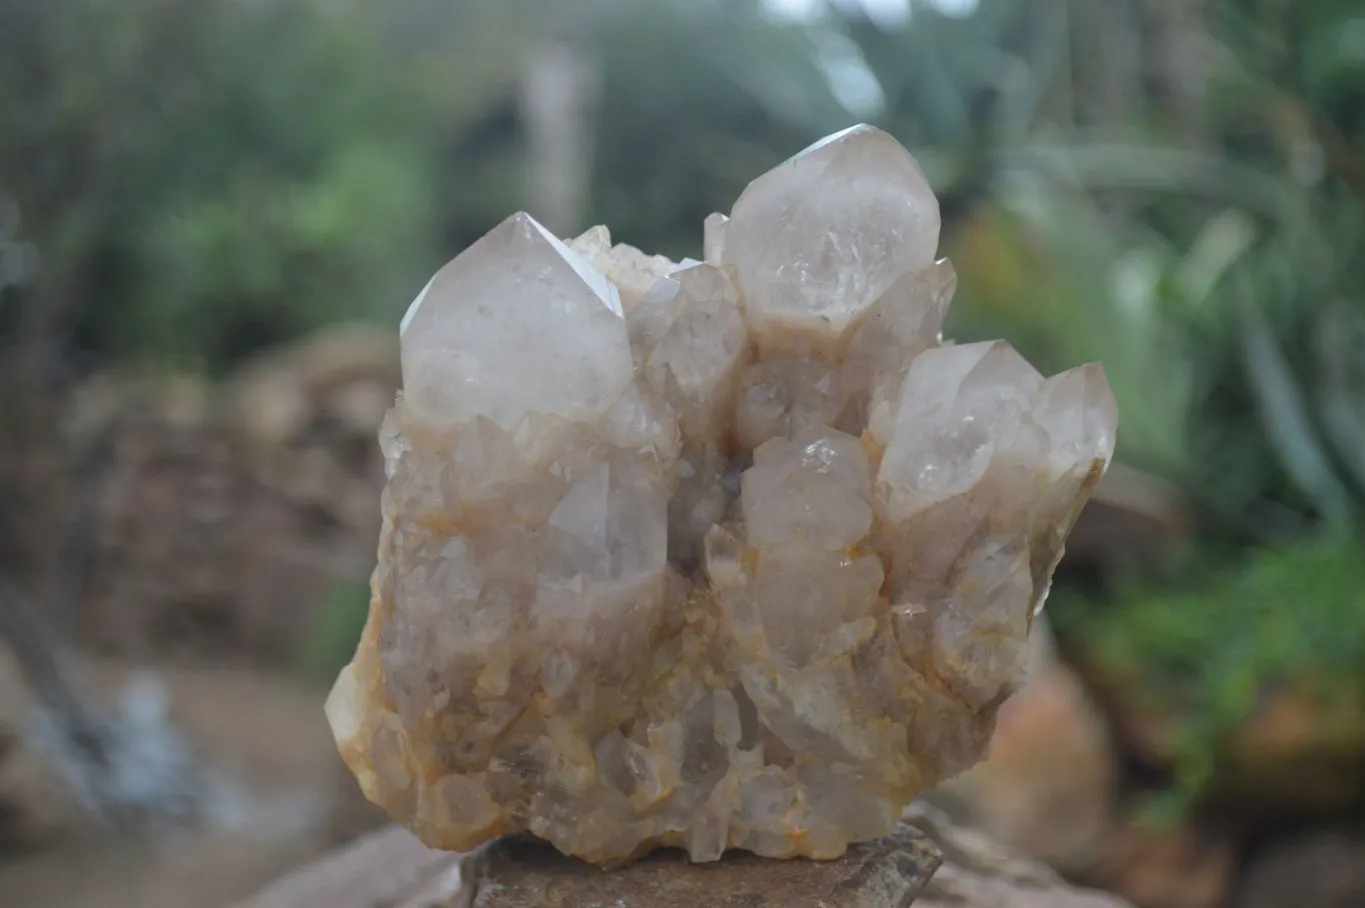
(558, 100)
(29, 449)
(1106, 68)
(1129, 56)
(1177, 45)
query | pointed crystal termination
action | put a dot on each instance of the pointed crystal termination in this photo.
(732, 554)
(820, 238)
(458, 335)
(694, 359)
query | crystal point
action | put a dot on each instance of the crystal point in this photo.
(519, 288)
(818, 239)
(712, 555)
(698, 355)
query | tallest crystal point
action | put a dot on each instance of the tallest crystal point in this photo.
(820, 237)
(515, 324)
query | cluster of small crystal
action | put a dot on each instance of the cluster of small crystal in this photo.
(723, 554)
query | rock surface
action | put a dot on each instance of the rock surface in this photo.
(948, 866)
(978, 872)
(382, 869)
(1188, 866)
(521, 873)
(727, 554)
(1316, 869)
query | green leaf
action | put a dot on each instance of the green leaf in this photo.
(1284, 413)
(1341, 338)
(1223, 240)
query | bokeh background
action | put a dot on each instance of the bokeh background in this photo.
(213, 212)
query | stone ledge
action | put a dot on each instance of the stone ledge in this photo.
(523, 873)
(928, 863)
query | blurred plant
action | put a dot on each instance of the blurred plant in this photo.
(1239, 250)
(1285, 619)
(184, 204)
(698, 99)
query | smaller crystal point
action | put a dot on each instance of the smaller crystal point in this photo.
(962, 407)
(516, 324)
(1080, 414)
(821, 237)
(713, 237)
(697, 359)
(903, 323)
(631, 271)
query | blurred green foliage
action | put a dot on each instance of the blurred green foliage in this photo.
(201, 179)
(1202, 653)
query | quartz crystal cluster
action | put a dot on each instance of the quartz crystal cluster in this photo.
(736, 553)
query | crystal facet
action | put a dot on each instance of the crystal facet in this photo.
(722, 554)
(820, 238)
(517, 289)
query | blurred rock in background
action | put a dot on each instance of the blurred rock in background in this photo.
(227, 513)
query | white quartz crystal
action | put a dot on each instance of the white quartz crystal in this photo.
(721, 554)
(818, 239)
(483, 341)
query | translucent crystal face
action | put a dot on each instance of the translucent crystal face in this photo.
(486, 336)
(821, 237)
(722, 554)
(813, 488)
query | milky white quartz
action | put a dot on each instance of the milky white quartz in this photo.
(721, 554)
